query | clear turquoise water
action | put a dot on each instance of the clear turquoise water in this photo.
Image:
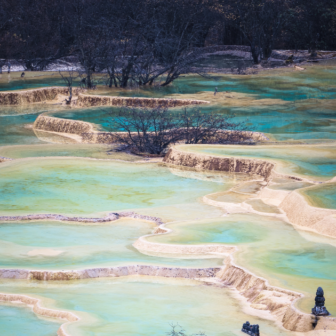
(12, 130)
(19, 321)
(32, 81)
(77, 150)
(82, 186)
(323, 196)
(82, 246)
(144, 306)
(13, 122)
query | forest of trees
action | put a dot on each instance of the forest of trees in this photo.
(139, 41)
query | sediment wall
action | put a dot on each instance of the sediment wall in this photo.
(59, 125)
(33, 96)
(112, 216)
(99, 137)
(50, 93)
(299, 212)
(3, 159)
(94, 100)
(118, 271)
(226, 164)
(279, 302)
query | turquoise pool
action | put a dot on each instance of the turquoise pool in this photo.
(55, 245)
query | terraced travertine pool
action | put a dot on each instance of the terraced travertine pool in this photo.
(271, 248)
(314, 162)
(49, 176)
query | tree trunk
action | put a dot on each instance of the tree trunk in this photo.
(68, 102)
(255, 55)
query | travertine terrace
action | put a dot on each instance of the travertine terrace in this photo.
(229, 218)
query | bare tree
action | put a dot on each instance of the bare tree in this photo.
(147, 130)
(153, 130)
(69, 77)
(201, 127)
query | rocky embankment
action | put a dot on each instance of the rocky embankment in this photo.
(85, 100)
(109, 218)
(279, 302)
(59, 125)
(3, 159)
(118, 271)
(225, 164)
(34, 95)
(301, 213)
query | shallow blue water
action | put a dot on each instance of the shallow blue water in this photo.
(323, 196)
(81, 246)
(21, 321)
(82, 186)
(13, 132)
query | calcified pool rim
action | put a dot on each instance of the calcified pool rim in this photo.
(38, 309)
(23, 97)
(85, 132)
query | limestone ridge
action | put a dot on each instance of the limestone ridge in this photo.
(278, 301)
(225, 164)
(85, 100)
(60, 125)
(33, 96)
(300, 213)
(3, 159)
(112, 216)
(118, 271)
(51, 93)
